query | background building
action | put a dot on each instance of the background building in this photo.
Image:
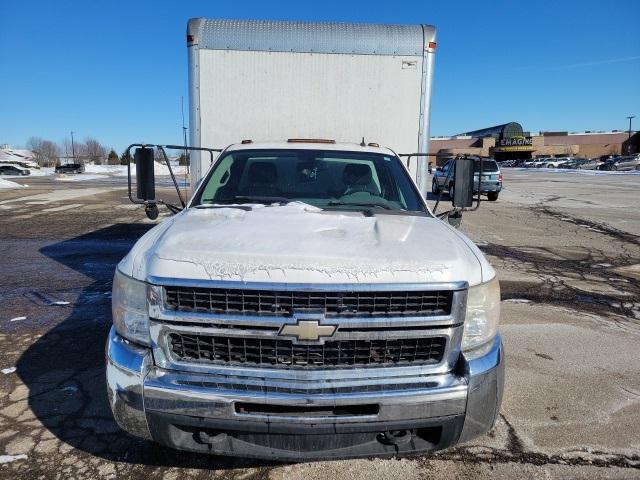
(509, 142)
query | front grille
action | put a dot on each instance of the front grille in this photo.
(269, 302)
(263, 352)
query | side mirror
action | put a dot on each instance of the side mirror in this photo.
(463, 183)
(438, 169)
(145, 175)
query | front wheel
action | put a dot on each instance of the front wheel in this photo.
(492, 196)
(434, 187)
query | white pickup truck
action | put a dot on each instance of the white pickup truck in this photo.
(305, 303)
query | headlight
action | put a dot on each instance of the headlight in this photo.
(129, 308)
(483, 314)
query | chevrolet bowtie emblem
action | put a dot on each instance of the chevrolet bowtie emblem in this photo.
(307, 330)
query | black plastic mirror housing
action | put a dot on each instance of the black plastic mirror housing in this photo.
(145, 174)
(463, 183)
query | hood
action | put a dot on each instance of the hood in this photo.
(298, 243)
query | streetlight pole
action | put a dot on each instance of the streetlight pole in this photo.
(73, 149)
(630, 117)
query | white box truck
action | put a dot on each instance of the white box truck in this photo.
(306, 303)
(265, 80)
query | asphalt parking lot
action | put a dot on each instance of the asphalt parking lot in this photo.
(567, 249)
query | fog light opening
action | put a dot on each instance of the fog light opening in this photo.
(395, 437)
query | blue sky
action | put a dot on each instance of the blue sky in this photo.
(116, 70)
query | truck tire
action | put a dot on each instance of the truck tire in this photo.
(492, 196)
(434, 187)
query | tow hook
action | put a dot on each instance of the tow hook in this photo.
(395, 437)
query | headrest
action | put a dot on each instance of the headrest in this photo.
(356, 174)
(263, 173)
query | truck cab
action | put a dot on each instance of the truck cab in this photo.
(305, 303)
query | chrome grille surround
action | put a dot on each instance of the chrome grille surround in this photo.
(165, 322)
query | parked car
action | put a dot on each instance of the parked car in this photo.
(70, 168)
(491, 182)
(623, 164)
(608, 161)
(534, 163)
(574, 163)
(9, 169)
(554, 162)
(591, 164)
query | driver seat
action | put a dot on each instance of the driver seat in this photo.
(263, 180)
(357, 177)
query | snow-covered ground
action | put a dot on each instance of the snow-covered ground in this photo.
(92, 172)
(9, 184)
(120, 170)
(573, 171)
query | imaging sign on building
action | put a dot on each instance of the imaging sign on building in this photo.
(515, 142)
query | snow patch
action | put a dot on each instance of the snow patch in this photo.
(79, 177)
(58, 195)
(12, 458)
(9, 184)
(17, 319)
(9, 370)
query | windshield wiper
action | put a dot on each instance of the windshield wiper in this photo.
(259, 199)
(219, 205)
(367, 205)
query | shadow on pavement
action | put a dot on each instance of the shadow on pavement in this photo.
(64, 369)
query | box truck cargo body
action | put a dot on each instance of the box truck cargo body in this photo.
(265, 80)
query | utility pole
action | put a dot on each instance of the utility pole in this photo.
(630, 117)
(73, 149)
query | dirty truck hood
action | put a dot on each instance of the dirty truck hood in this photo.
(297, 243)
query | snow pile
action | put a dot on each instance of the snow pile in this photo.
(42, 172)
(12, 458)
(9, 184)
(105, 169)
(569, 171)
(18, 157)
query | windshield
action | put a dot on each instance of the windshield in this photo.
(330, 180)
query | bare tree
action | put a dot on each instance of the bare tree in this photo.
(46, 152)
(95, 151)
(34, 144)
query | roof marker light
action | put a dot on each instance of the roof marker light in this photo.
(310, 140)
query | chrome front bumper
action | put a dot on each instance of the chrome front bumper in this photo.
(198, 412)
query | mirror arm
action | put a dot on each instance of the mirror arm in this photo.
(173, 177)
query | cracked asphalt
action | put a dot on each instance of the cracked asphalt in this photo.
(567, 250)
